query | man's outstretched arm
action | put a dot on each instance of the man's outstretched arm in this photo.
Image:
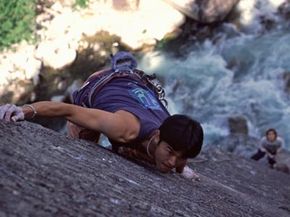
(120, 126)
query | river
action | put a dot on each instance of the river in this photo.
(238, 75)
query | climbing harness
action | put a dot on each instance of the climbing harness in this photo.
(123, 65)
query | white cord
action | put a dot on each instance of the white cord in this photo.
(147, 148)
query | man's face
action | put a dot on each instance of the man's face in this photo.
(271, 136)
(166, 158)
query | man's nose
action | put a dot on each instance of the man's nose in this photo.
(172, 161)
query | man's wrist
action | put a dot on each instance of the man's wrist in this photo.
(29, 111)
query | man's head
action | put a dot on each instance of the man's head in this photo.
(180, 137)
(182, 134)
(271, 134)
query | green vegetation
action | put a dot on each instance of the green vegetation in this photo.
(17, 21)
(82, 3)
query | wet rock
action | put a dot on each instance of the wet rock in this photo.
(205, 11)
(238, 124)
(284, 10)
(216, 10)
(44, 173)
(286, 77)
(257, 16)
(239, 144)
(268, 22)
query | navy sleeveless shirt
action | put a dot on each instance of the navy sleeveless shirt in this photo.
(125, 93)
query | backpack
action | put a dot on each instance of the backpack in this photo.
(123, 64)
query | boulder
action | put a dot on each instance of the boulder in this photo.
(239, 144)
(238, 141)
(55, 54)
(65, 32)
(238, 124)
(44, 173)
(18, 73)
(284, 9)
(125, 5)
(286, 78)
(204, 11)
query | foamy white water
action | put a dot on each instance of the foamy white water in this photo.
(239, 76)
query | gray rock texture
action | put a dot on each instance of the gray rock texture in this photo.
(205, 11)
(44, 173)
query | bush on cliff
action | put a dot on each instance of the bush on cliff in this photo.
(17, 21)
(81, 3)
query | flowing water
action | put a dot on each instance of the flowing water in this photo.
(237, 75)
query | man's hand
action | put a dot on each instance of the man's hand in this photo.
(188, 173)
(10, 112)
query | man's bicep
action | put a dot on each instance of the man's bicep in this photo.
(120, 126)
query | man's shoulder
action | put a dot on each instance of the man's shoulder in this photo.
(280, 140)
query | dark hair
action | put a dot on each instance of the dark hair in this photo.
(183, 134)
(271, 130)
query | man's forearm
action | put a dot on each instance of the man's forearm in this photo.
(46, 109)
(120, 126)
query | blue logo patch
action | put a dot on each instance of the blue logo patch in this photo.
(145, 98)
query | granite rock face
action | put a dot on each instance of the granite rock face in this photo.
(205, 11)
(44, 173)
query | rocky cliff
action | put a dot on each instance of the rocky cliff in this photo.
(44, 173)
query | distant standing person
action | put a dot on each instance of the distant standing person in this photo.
(270, 145)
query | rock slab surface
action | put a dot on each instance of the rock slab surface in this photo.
(44, 173)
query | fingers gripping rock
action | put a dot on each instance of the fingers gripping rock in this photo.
(188, 173)
(10, 112)
(19, 115)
